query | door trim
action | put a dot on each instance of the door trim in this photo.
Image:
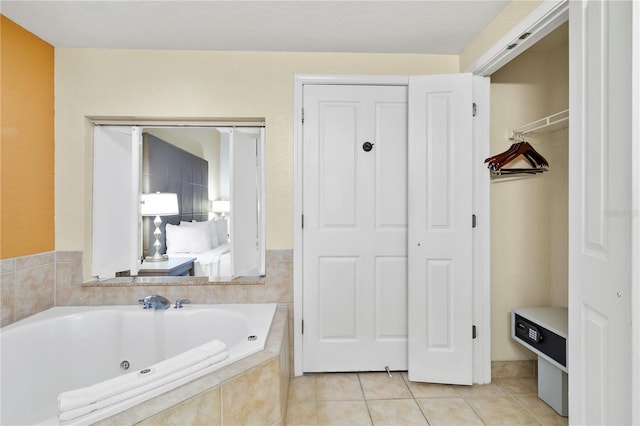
(481, 262)
(635, 224)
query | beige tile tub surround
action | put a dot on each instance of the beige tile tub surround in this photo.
(276, 287)
(27, 286)
(202, 410)
(251, 391)
(32, 284)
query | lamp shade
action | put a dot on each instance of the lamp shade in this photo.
(221, 206)
(159, 204)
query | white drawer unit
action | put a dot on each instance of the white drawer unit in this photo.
(544, 331)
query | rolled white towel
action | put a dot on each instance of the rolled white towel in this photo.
(73, 414)
(82, 397)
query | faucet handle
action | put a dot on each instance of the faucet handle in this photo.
(180, 302)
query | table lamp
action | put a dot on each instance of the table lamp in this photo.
(158, 204)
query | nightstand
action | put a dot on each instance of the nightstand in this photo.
(175, 266)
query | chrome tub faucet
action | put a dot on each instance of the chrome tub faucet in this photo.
(180, 302)
(154, 301)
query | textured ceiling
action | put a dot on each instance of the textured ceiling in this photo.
(426, 26)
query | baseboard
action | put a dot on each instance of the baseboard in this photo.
(525, 368)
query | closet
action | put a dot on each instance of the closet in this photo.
(529, 209)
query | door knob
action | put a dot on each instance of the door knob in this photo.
(367, 146)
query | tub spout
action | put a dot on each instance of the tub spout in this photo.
(155, 301)
(180, 302)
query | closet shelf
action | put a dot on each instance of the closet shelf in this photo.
(552, 123)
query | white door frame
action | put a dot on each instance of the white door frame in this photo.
(481, 294)
(635, 219)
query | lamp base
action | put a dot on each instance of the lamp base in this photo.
(161, 258)
(157, 257)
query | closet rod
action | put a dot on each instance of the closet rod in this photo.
(551, 123)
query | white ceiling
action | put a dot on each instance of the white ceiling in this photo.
(418, 26)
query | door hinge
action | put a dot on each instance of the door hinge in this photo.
(474, 221)
(302, 115)
(474, 334)
(302, 221)
(302, 326)
(475, 109)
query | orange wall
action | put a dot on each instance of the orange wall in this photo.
(26, 143)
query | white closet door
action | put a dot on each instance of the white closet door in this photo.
(116, 200)
(600, 213)
(355, 227)
(440, 228)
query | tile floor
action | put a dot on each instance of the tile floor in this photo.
(376, 399)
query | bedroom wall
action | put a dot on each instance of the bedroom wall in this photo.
(27, 162)
(529, 226)
(154, 83)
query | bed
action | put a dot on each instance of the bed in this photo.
(206, 241)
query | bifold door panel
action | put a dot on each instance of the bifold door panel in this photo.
(355, 227)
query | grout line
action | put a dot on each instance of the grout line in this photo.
(364, 397)
(405, 379)
(531, 413)
(515, 400)
(526, 409)
(474, 411)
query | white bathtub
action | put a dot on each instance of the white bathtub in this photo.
(66, 348)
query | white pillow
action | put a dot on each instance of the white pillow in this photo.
(207, 226)
(186, 239)
(221, 230)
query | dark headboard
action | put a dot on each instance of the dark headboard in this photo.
(167, 168)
